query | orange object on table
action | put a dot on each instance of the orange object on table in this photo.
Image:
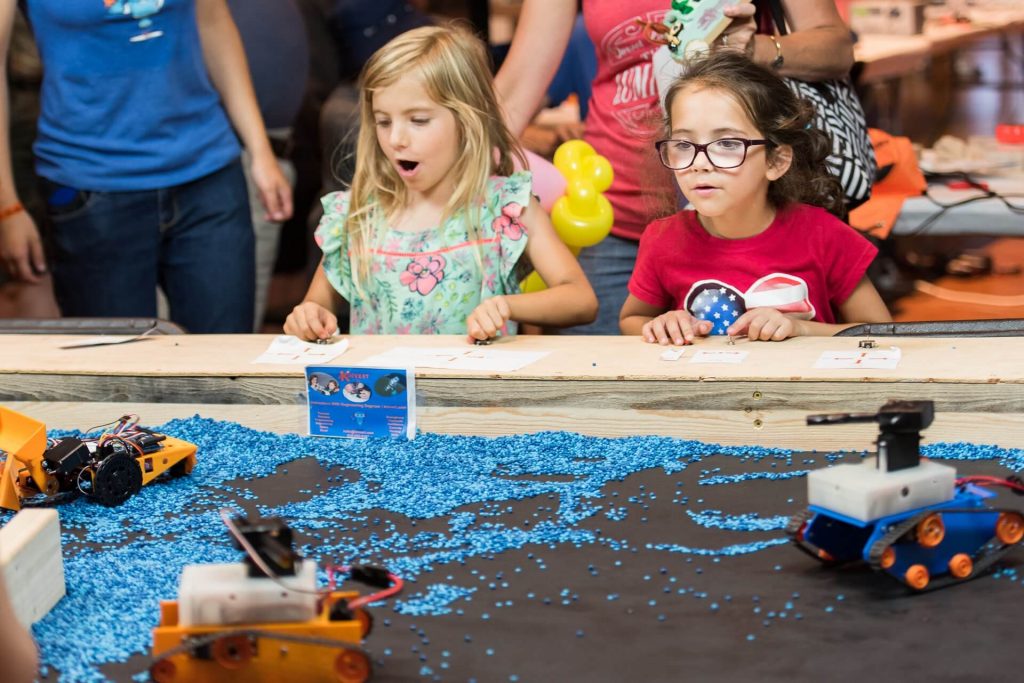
(901, 178)
(1010, 134)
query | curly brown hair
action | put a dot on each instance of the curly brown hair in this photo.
(783, 119)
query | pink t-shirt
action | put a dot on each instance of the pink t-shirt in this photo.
(625, 114)
(806, 263)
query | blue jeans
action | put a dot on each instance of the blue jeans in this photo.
(112, 249)
(608, 265)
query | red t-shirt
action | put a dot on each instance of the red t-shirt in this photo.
(806, 263)
(625, 114)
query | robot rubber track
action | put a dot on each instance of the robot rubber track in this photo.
(906, 516)
(903, 534)
(235, 649)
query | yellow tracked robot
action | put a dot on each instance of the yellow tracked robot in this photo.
(265, 620)
(110, 468)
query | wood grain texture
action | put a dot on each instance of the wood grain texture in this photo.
(604, 386)
(778, 428)
(82, 416)
(623, 394)
(31, 563)
(992, 360)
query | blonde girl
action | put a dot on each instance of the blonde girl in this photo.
(430, 237)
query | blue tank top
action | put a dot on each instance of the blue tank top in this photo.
(127, 103)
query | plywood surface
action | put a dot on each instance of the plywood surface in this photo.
(601, 386)
(993, 360)
(784, 428)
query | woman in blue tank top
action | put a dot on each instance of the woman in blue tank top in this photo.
(143, 104)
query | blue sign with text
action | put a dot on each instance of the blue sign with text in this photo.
(360, 402)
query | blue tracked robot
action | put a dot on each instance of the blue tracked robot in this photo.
(908, 517)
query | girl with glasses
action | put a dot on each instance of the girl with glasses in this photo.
(757, 252)
(625, 104)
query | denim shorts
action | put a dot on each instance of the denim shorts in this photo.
(112, 249)
(608, 265)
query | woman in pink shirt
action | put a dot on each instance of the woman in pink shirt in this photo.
(625, 111)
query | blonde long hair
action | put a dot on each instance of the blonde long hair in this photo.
(453, 66)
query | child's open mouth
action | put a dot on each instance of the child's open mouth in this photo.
(407, 167)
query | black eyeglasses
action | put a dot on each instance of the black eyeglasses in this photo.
(722, 153)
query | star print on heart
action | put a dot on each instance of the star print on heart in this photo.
(721, 304)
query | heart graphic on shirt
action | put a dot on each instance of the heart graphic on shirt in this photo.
(721, 304)
(788, 293)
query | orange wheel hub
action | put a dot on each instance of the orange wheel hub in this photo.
(365, 622)
(1010, 527)
(931, 530)
(888, 558)
(352, 667)
(961, 565)
(163, 671)
(917, 576)
(232, 652)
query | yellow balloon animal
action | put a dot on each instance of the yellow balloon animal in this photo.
(583, 216)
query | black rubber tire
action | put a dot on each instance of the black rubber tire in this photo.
(116, 479)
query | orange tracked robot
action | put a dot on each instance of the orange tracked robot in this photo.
(109, 469)
(264, 620)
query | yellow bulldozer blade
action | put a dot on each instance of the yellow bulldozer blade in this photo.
(24, 441)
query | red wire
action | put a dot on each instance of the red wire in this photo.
(986, 480)
(331, 573)
(395, 588)
(334, 570)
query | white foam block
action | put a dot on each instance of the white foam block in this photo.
(31, 563)
(213, 594)
(866, 493)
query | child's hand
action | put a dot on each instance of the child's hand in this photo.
(311, 321)
(766, 324)
(488, 318)
(675, 327)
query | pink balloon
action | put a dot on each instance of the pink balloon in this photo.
(548, 181)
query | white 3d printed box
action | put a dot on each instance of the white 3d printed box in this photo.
(866, 493)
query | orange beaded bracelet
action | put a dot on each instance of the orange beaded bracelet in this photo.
(9, 211)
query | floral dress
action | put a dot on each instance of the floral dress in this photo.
(428, 282)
